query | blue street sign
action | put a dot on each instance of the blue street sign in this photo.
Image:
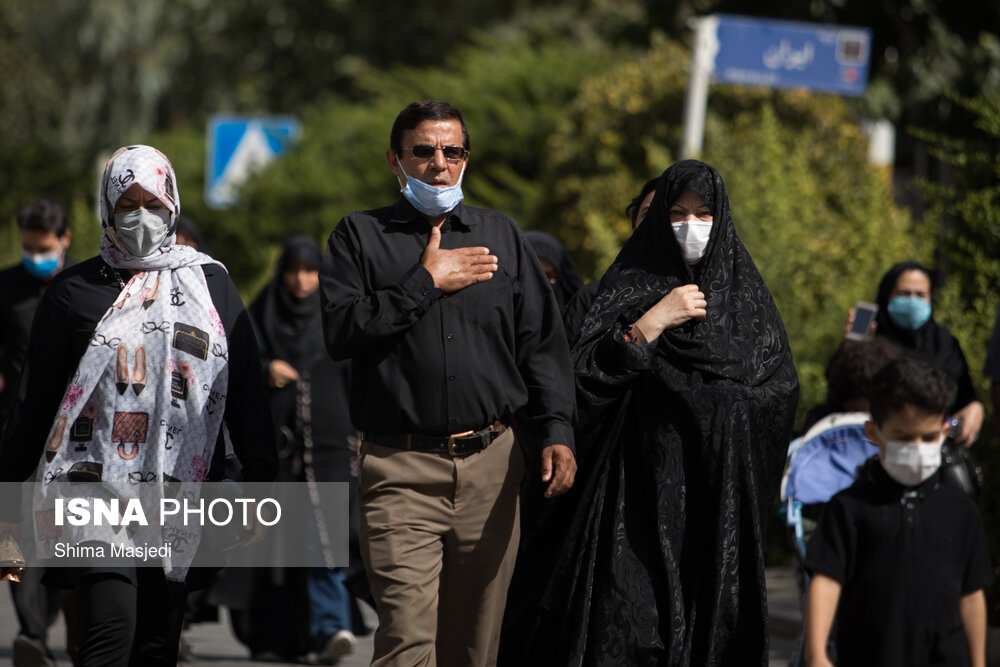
(785, 54)
(238, 146)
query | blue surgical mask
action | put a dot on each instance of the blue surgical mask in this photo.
(909, 312)
(42, 265)
(429, 200)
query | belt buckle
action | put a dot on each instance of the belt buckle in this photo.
(451, 441)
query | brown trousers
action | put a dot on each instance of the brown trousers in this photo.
(438, 540)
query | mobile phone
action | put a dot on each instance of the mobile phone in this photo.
(864, 315)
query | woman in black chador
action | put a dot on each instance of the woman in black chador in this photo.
(686, 394)
(309, 405)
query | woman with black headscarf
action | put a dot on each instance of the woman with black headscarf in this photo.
(315, 444)
(904, 317)
(559, 268)
(686, 392)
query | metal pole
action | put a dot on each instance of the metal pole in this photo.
(704, 48)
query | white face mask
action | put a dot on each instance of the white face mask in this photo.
(693, 238)
(910, 463)
(142, 231)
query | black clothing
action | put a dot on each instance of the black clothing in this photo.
(433, 363)
(656, 556)
(576, 310)
(931, 343)
(20, 294)
(291, 329)
(129, 620)
(904, 559)
(36, 605)
(67, 316)
(991, 367)
(568, 278)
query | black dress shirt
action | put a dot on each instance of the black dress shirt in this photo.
(434, 363)
(20, 293)
(67, 316)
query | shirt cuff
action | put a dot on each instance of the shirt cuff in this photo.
(559, 433)
(418, 284)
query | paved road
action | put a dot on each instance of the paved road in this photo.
(215, 645)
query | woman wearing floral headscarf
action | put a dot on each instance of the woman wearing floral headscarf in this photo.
(137, 358)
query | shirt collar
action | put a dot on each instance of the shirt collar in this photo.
(404, 213)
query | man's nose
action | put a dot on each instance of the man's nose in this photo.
(438, 160)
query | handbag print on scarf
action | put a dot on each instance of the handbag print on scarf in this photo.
(146, 403)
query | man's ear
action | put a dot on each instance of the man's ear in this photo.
(872, 433)
(66, 238)
(390, 159)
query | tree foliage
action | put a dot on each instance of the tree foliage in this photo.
(963, 222)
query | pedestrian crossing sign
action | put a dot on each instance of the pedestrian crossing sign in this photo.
(239, 146)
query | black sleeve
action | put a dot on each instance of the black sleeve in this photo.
(831, 546)
(978, 573)
(49, 364)
(542, 353)
(47, 369)
(357, 317)
(248, 413)
(966, 391)
(605, 367)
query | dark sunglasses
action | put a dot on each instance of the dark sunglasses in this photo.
(425, 152)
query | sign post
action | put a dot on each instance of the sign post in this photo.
(772, 54)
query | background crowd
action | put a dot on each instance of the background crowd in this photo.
(572, 106)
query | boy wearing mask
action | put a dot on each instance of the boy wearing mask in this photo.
(898, 557)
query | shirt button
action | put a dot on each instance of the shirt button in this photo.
(451, 336)
(452, 421)
(451, 378)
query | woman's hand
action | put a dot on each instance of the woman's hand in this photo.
(281, 373)
(972, 420)
(680, 305)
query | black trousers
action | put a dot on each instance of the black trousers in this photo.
(36, 604)
(129, 621)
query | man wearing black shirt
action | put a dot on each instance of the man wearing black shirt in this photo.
(45, 238)
(451, 328)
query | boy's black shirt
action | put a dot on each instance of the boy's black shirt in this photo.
(904, 558)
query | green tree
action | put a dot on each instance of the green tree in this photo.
(963, 222)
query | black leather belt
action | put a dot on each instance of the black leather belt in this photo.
(457, 444)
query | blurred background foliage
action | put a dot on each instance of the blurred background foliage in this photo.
(571, 106)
